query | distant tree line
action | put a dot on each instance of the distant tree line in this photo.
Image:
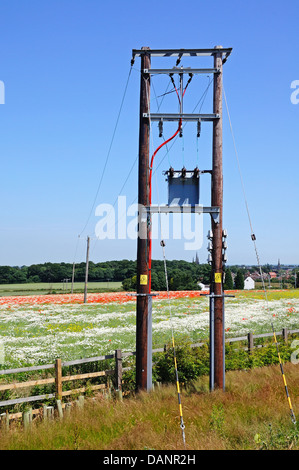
(56, 272)
(181, 274)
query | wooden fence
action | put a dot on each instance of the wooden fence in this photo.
(58, 380)
(116, 373)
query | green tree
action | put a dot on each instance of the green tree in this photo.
(6, 274)
(19, 276)
(239, 280)
(130, 284)
(228, 283)
(158, 281)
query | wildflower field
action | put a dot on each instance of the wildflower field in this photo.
(37, 329)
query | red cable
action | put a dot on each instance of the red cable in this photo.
(150, 184)
(150, 200)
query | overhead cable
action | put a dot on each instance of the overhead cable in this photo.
(109, 151)
(253, 238)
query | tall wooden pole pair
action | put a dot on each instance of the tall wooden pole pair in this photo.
(142, 302)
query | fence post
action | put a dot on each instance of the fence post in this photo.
(250, 343)
(108, 394)
(59, 408)
(118, 369)
(80, 401)
(45, 412)
(4, 418)
(50, 412)
(58, 379)
(27, 418)
(67, 409)
(285, 334)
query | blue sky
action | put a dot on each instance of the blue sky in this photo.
(65, 65)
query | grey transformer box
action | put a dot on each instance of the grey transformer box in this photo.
(183, 186)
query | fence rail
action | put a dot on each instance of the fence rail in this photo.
(57, 380)
(116, 373)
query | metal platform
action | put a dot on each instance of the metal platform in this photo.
(182, 116)
(181, 52)
(185, 209)
(177, 70)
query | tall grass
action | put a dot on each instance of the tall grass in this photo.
(252, 413)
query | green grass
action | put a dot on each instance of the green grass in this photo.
(56, 287)
(252, 414)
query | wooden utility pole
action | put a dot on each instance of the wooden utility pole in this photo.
(73, 278)
(217, 200)
(66, 281)
(143, 229)
(220, 56)
(86, 271)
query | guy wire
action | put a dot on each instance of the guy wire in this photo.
(253, 237)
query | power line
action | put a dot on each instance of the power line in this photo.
(133, 165)
(114, 204)
(253, 237)
(201, 100)
(109, 150)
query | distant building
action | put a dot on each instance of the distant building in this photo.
(249, 283)
(202, 286)
(272, 275)
(196, 260)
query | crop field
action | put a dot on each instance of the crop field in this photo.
(37, 329)
(55, 287)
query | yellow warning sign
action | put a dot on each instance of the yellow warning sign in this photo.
(143, 279)
(218, 278)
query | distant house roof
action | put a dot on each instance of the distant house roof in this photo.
(272, 274)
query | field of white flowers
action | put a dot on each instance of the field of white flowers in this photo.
(37, 333)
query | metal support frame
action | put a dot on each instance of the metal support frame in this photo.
(181, 53)
(212, 349)
(212, 297)
(149, 350)
(198, 209)
(181, 71)
(150, 344)
(177, 70)
(183, 116)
